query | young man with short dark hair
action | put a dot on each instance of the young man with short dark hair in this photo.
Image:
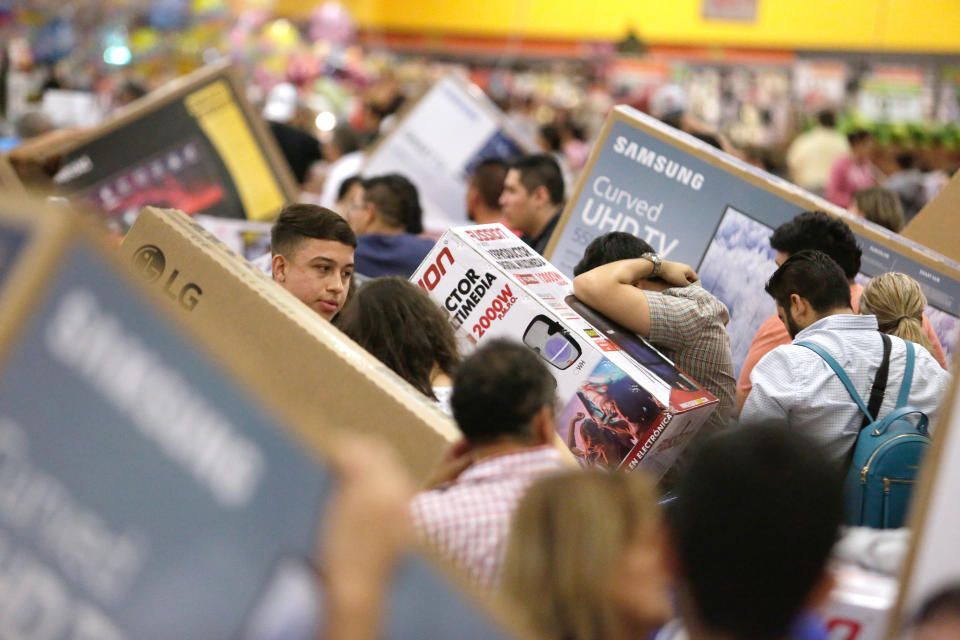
(756, 517)
(503, 399)
(532, 198)
(312, 256)
(622, 277)
(386, 226)
(795, 387)
(823, 232)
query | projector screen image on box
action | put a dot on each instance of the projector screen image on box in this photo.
(551, 342)
(735, 269)
(635, 347)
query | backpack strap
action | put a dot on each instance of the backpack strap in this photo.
(844, 378)
(907, 376)
(879, 382)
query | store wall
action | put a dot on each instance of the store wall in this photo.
(897, 25)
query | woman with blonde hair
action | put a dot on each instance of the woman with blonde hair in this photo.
(897, 301)
(585, 558)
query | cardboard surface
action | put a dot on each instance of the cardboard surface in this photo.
(328, 381)
(9, 180)
(194, 144)
(698, 205)
(935, 226)
(148, 486)
(437, 143)
(622, 403)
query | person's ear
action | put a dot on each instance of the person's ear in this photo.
(799, 307)
(364, 218)
(278, 266)
(543, 425)
(541, 196)
(472, 197)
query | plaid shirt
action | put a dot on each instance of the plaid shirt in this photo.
(468, 519)
(689, 325)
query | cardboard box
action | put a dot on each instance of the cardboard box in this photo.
(194, 144)
(328, 380)
(622, 405)
(935, 226)
(152, 487)
(697, 205)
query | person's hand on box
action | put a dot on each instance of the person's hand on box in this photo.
(677, 274)
(456, 460)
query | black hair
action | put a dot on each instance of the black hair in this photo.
(823, 232)
(346, 185)
(610, 247)
(857, 136)
(551, 135)
(941, 604)
(498, 389)
(488, 177)
(827, 119)
(133, 89)
(709, 138)
(540, 170)
(396, 200)
(403, 328)
(757, 513)
(905, 160)
(812, 275)
(300, 220)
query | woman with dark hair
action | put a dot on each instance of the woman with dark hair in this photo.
(397, 323)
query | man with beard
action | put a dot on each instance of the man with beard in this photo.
(795, 387)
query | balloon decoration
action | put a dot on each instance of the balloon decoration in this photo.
(333, 23)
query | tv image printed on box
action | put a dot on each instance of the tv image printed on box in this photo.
(194, 145)
(622, 403)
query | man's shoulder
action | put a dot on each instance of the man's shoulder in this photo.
(782, 360)
(707, 303)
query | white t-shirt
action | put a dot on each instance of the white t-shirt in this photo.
(443, 399)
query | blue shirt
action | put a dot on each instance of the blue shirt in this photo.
(378, 254)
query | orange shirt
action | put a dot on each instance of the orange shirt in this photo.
(772, 333)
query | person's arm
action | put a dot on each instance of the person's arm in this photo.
(935, 343)
(771, 334)
(373, 487)
(610, 289)
(455, 461)
(773, 395)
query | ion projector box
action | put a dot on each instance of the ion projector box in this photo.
(623, 404)
(329, 380)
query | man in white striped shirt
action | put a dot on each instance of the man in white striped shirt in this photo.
(794, 386)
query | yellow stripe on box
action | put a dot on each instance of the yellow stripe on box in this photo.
(222, 121)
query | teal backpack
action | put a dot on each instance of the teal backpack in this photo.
(888, 451)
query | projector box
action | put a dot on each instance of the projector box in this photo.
(622, 403)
